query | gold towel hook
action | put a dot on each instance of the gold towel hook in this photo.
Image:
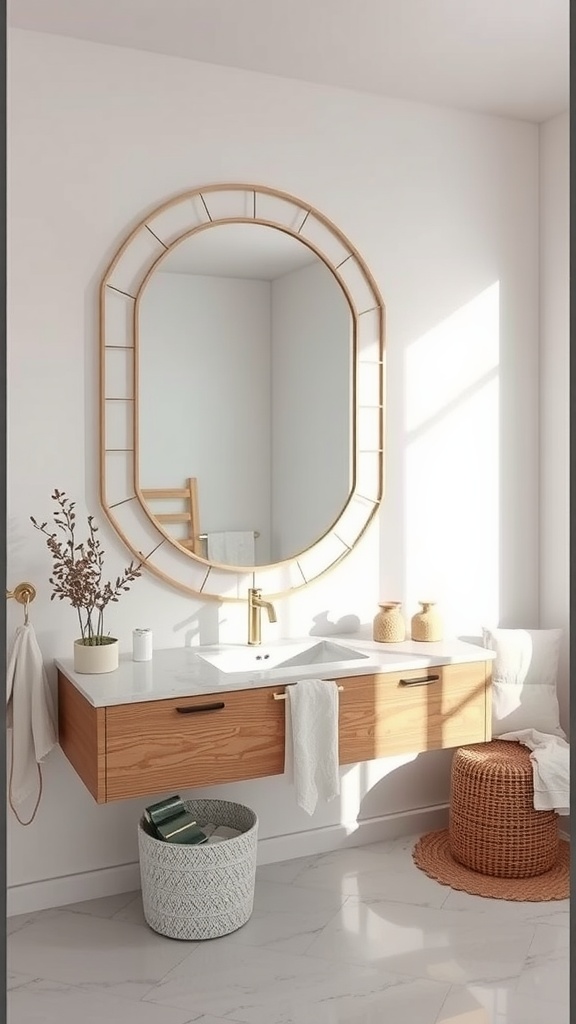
(24, 593)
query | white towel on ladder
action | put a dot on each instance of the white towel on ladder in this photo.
(232, 547)
(30, 714)
(312, 741)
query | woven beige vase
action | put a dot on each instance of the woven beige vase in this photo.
(389, 626)
(427, 624)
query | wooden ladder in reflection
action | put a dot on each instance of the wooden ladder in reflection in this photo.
(189, 495)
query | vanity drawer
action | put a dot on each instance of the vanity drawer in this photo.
(184, 743)
(132, 750)
(409, 712)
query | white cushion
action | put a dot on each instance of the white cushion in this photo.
(524, 675)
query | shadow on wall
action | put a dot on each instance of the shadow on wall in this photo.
(202, 627)
(324, 627)
(410, 785)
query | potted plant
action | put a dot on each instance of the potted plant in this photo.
(77, 577)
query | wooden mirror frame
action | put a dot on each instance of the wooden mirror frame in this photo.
(121, 288)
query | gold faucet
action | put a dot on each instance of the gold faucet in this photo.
(255, 605)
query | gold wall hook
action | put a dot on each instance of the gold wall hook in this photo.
(24, 593)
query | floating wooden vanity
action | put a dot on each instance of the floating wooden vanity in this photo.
(148, 745)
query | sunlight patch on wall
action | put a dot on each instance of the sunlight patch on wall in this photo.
(452, 465)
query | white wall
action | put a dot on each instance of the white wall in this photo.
(554, 390)
(443, 206)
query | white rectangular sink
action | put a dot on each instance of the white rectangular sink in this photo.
(299, 654)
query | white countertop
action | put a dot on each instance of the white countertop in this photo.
(182, 672)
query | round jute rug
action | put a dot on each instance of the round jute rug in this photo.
(432, 854)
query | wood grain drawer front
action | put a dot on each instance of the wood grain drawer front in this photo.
(183, 743)
(81, 735)
(409, 712)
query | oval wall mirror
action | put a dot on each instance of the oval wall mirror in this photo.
(241, 392)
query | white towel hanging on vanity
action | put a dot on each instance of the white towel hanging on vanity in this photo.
(30, 714)
(311, 746)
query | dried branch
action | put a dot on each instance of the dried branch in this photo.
(78, 570)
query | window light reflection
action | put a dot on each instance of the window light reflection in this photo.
(452, 463)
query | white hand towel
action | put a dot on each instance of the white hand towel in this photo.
(30, 713)
(233, 547)
(312, 741)
(550, 759)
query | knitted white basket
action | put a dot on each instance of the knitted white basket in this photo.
(200, 892)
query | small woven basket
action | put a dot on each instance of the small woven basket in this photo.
(493, 827)
(200, 892)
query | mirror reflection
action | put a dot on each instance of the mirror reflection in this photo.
(245, 387)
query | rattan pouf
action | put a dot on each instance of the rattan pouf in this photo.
(493, 827)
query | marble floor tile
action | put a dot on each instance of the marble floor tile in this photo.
(545, 975)
(15, 923)
(375, 870)
(426, 942)
(285, 871)
(107, 906)
(356, 936)
(499, 1003)
(549, 941)
(535, 1013)
(287, 918)
(94, 952)
(396, 849)
(272, 898)
(18, 921)
(286, 932)
(210, 1019)
(14, 979)
(50, 1002)
(539, 912)
(261, 986)
(462, 1006)
(337, 870)
(133, 912)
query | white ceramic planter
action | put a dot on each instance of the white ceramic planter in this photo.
(100, 658)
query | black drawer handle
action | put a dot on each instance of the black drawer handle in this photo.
(419, 681)
(216, 706)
